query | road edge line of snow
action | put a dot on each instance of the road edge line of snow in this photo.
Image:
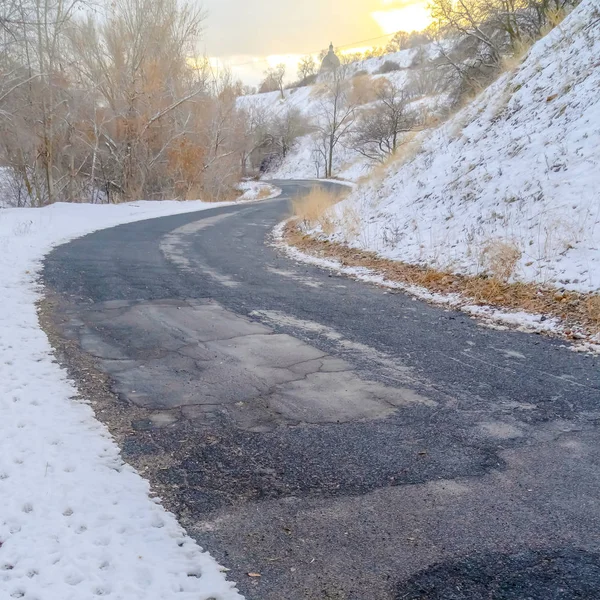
(487, 316)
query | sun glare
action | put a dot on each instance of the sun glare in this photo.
(410, 18)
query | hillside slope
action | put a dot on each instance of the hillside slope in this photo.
(348, 164)
(514, 177)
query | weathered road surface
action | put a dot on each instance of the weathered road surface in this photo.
(340, 440)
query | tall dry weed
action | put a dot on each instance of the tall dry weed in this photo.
(314, 209)
(500, 258)
(593, 310)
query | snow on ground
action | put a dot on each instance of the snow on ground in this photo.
(514, 173)
(257, 190)
(76, 522)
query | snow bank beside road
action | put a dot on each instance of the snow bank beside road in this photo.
(76, 522)
(516, 172)
(257, 190)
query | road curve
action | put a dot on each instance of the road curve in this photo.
(340, 440)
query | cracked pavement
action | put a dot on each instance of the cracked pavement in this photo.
(342, 440)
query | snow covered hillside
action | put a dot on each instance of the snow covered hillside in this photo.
(348, 164)
(76, 523)
(513, 180)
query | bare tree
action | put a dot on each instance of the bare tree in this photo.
(469, 18)
(114, 105)
(403, 40)
(337, 114)
(274, 80)
(34, 97)
(287, 127)
(379, 129)
(172, 121)
(307, 67)
(270, 138)
(498, 26)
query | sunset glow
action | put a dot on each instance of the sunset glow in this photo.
(414, 17)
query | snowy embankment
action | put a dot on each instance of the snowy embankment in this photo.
(76, 522)
(516, 172)
(510, 182)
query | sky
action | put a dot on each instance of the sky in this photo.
(251, 35)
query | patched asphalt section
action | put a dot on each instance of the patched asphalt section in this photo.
(336, 438)
(567, 574)
(221, 394)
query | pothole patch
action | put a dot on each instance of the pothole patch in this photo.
(565, 574)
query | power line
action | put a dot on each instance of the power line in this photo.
(381, 37)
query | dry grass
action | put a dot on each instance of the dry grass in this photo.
(593, 309)
(229, 194)
(313, 209)
(265, 192)
(363, 90)
(515, 60)
(555, 17)
(500, 258)
(579, 312)
(350, 223)
(411, 145)
(318, 91)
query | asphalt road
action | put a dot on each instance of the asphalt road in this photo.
(338, 439)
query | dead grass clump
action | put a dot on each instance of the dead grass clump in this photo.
(318, 90)
(500, 259)
(515, 60)
(363, 91)
(411, 145)
(265, 192)
(222, 194)
(554, 17)
(350, 223)
(314, 209)
(593, 310)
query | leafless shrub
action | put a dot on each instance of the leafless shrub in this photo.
(363, 90)
(274, 80)
(403, 40)
(425, 81)
(269, 138)
(487, 31)
(389, 66)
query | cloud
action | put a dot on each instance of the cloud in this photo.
(265, 27)
(243, 33)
